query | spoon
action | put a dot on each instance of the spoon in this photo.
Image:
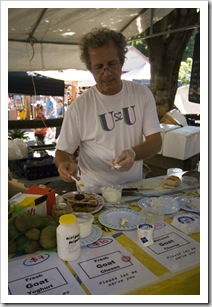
(78, 182)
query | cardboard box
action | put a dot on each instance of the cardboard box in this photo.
(174, 117)
(15, 187)
(182, 143)
(164, 129)
(50, 201)
(30, 204)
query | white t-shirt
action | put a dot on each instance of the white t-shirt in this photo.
(103, 126)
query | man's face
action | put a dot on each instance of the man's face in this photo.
(106, 69)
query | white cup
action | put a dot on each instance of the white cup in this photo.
(174, 171)
(145, 234)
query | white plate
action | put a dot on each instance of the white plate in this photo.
(95, 235)
(163, 204)
(111, 219)
(99, 199)
(154, 187)
(189, 203)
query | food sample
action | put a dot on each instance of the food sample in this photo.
(81, 202)
(123, 221)
(79, 196)
(172, 181)
(116, 165)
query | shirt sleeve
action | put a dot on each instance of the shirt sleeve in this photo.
(69, 137)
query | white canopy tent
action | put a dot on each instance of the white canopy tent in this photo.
(69, 75)
(139, 73)
(47, 38)
(183, 104)
(134, 59)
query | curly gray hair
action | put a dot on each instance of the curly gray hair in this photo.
(99, 37)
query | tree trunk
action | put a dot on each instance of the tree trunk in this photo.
(165, 54)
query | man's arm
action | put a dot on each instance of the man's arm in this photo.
(149, 148)
(66, 165)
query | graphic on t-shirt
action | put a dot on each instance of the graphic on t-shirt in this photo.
(108, 121)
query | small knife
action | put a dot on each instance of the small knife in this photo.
(136, 189)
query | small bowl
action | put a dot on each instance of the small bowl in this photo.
(85, 221)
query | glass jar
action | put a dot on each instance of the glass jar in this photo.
(60, 209)
(112, 194)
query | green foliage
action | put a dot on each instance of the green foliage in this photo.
(186, 64)
(139, 44)
(185, 71)
(188, 53)
(17, 134)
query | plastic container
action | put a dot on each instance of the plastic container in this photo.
(68, 238)
(112, 194)
(85, 221)
(145, 234)
(152, 215)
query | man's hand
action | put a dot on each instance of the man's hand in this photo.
(66, 166)
(67, 169)
(124, 161)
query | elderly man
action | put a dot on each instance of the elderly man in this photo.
(114, 124)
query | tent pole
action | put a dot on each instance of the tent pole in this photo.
(164, 33)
